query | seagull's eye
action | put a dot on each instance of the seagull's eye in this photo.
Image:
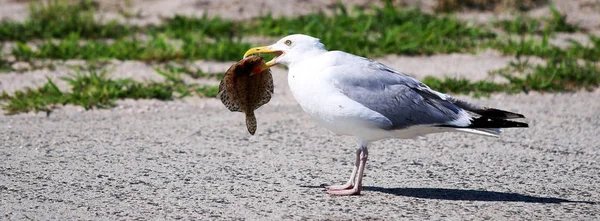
(288, 42)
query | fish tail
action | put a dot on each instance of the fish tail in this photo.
(251, 122)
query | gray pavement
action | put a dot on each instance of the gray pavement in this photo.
(193, 159)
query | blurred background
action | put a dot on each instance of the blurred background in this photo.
(93, 53)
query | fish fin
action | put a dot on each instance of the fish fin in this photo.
(226, 100)
(266, 97)
(251, 122)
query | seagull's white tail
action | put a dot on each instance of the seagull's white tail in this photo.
(490, 132)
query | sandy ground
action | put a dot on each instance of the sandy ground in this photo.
(193, 159)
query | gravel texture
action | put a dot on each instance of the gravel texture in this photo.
(193, 159)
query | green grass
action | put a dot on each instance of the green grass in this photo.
(388, 30)
(96, 90)
(181, 26)
(522, 24)
(558, 23)
(58, 19)
(179, 69)
(391, 31)
(526, 45)
(40, 99)
(73, 48)
(4, 65)
(220, 49)
(185, 89)
(156, 48)
(456, 5)
(466, 86)
(542, 48)
(381, 31)
(558, 75)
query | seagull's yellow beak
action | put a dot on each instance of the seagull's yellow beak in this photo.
(264, 50)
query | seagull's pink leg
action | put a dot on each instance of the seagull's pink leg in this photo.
(354, 188)
(350, 183)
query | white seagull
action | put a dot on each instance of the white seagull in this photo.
(356, 96)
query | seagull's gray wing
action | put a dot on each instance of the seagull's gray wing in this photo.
(402, 99)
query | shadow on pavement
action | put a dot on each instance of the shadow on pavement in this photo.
(469, 195)
(466, 195)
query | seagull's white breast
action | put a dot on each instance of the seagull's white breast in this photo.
(314, 90)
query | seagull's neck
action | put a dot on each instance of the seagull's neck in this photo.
(307, 55)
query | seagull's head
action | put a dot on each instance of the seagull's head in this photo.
(289, 49)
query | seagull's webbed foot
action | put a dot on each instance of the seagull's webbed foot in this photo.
(345, 192)
(340, 187)
(350, 183)
(350, 188)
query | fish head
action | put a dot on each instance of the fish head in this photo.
(252, 65)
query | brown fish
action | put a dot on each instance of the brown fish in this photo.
(247, 85)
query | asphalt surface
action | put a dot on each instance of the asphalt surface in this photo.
(194, 160)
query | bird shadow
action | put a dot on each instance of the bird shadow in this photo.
(465, 195)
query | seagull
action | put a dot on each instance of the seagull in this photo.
(355, 96)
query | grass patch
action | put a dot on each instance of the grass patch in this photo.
(156, 48)
(220, 49)
(558, 23)
(58, 19)
(558, 75)
(386, 30)
(4, 65)
(181, 26)
(186, 89)
(390, 31)
(466, 86)
(39, 100)
(195, 73)
(542, 48)
(96, 90)
(456, 5)
(522, 24)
